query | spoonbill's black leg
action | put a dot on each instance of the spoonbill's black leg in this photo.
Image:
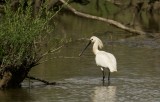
(109, 76)
(103, 73)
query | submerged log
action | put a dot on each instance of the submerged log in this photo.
(41, 80)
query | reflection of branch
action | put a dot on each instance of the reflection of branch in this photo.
(109, 21)
(41, 80)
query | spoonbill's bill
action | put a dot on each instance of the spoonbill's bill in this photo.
(103, 59)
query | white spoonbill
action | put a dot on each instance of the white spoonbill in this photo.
(103, 59)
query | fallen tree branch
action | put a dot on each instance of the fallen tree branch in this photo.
(41, 80)
(109, 21)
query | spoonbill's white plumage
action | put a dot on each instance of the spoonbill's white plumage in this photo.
(102, 58)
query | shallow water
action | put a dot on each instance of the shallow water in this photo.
(137, 79)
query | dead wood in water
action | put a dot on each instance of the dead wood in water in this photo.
(109, 21)
(41, 80)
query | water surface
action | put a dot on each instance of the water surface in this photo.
(137, 79)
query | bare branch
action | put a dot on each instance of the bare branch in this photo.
(51, 51)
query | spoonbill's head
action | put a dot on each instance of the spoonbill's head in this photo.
(94, 40)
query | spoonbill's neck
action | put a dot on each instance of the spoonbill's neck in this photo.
(95, 48)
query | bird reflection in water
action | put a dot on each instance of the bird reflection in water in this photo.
(104, 94)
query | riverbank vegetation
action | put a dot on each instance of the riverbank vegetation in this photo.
(23, 39)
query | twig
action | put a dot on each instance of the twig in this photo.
(51, 51)
(64, 57)
(41, 80)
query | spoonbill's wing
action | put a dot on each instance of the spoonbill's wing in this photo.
(107, 60)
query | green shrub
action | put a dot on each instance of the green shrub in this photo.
(23, 36)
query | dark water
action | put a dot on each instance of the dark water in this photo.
(137, 79)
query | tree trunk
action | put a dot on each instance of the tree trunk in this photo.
(12, 77)
(5, 79)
